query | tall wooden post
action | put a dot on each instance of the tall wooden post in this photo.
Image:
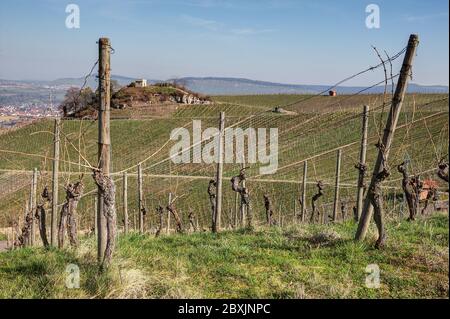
(140, 200)
(95, 214)
(362, 161)
(33, 206)
(55, 179)
(305, 173)
(125, 202)
(242, 206)
(336, 184)
(168, 215)
(104, 141)
(295, 210)
(236, 210)
(389, 131)
(219, 173)
(26, 210)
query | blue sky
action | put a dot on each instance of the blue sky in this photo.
(303, 42)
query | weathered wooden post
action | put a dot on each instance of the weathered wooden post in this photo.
(242, 206)
(168, 214)
(104, 140)
(219, 173)
(25, 214)
(55, 180)
(336, 185)
(125, 202)
(362, 162)
(33, 201)
(95, 214)
(305, 173)
(389, 131)
(236, 209)
(140, 200)
(294, 219)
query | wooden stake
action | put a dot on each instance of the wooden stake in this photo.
(219, 173)
(104, 141)
(305, 173)
(168, 215)
(336, 185)
(140, 200)
(95, 214)
(33, 206)
(55, 182)
(362, 162)
(236, 210)
(389, 131)
(125, 202)
(242, 206)
(26, 208)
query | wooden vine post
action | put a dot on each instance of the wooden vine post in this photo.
(303, 203)
(362, 163)
(104, 141)
(140, 200)
(55, 179)
(168, 215)
(33, 205)
(219, 173)
(125, 202)
(336, 185)
(388, 137)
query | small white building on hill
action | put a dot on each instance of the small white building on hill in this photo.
(141, 83)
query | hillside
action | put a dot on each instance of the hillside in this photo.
(238, 86)
(16, 92)
(317, 129)
(307, 261)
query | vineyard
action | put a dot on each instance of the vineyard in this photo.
(422, 140)
(118, 182)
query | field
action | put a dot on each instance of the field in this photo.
(291, 260)
(314, 132)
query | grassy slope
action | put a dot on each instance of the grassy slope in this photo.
(276, 263)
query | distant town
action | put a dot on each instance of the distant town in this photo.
(13, 115)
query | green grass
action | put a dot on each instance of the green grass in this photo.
(265, 263)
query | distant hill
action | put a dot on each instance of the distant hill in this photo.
(18, 92)
(237, 86)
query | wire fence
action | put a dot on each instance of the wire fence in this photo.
(310, 129)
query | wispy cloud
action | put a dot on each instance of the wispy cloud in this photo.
(213, 25)
(202, 23)
(425, 17)
(250, 31)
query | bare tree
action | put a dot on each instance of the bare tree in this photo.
(108, 192)
(343, 209)
(408, 190)
(24, 237)
(375, 195)
(269, 210)
(69, 214)
(417, 186)
(442, 171)
(160, 211)
(144, 216)
(40, 215)
(431, 195)
(192, 220)
(212, 199)
(76, 101)
(315, 198)
(171, 208)
(236, 185)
